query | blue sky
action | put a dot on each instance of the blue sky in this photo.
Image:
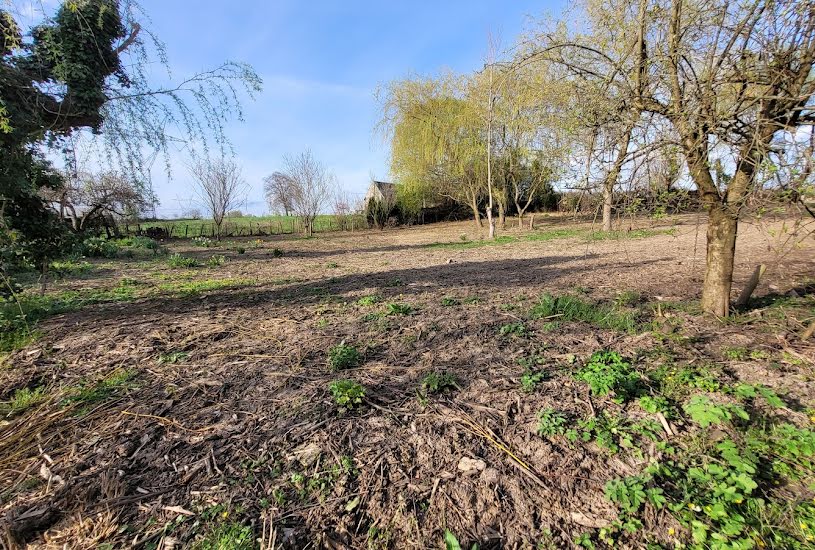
(321, 62)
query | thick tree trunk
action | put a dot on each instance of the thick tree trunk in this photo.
(502, 216)
(721, 251)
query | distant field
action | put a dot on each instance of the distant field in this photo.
(249, 225)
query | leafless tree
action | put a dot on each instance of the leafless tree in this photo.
(342, 206)
(279, 191)
(87, 196)
(220, 187)
(313, 187)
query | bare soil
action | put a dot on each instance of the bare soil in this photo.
(241, 426)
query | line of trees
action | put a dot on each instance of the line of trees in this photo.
(709, 94)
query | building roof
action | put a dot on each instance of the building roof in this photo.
(387, 189)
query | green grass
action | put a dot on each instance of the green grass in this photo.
(19, 318)
(498, 241)
(573, 308)
(554, 234)
(236, 226)
(22, 400)
(89, 393)
(69, 268)
(551, 235)
(620, 235)
(191, 288)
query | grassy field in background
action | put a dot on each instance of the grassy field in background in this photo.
(249, 225)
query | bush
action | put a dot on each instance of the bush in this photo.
(97, 247)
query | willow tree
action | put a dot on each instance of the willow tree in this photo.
(86, 72)
(533, 125)
(436, 138)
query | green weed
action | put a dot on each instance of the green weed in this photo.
(451, 542)
(735, 354)
(192, 288)
(449, 301)
(398, 309)
(177, 261)
(530, 380)
(606, 373)
(705, 412)
(89, 393)
(343, 356)
(613, 432)
(216, 261)
(512, 329)
(551, 423)
(676, 383)
(369, 300)
(621, 235)
(227, 536)
(348, 394)
(173, 357)
(438, 382)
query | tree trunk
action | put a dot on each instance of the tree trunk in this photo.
(721, 251)
(476, 213)
(502, 216)
(608, 196)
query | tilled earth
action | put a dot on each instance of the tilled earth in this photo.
(221, 414)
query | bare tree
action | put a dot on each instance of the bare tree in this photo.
(313, 187)
(279, 191)
(220, 187)
(734, 81)
(343, 207)
(86, 197)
